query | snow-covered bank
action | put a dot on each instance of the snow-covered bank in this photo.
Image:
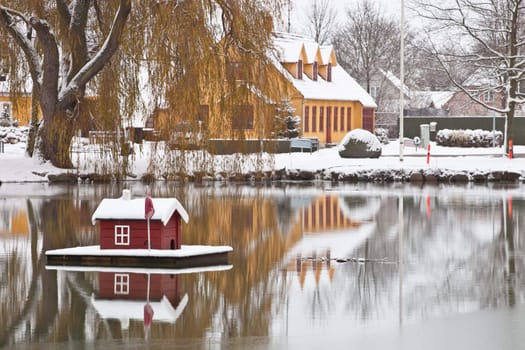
(446, 164)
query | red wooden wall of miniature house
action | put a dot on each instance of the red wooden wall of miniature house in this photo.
(137, 286)
(162, 237)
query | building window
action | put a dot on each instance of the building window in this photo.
(314, 118)
(233, 70)
(335, 118)
(121, 283)
(300, 69)
(121, 235)
(342, 116)
(306, 119)
(373, 91)
(329, 72)
(348, 118)
(204, 112)
(243, 117)
(314, 74)
(488, 96)
(321, 118)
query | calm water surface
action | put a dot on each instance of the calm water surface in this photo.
(313, 267)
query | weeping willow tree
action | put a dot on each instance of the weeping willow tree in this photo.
(126, 55)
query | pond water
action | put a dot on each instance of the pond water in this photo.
(371, 266)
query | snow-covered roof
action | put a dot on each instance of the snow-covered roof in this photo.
(437, 99)
(326, 53)
(396, 82)
(126, 310)
(481, 78)
(342, 87)
(133, 209)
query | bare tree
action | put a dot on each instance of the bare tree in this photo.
(489, 36)
(367, 41)
(321, 19)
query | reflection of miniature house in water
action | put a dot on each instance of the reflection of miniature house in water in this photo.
(123, 226)
(122, 296)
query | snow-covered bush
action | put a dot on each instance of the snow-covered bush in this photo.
(359, 143)
(382, 135)
(469, 138)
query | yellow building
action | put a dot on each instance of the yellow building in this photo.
(18, 108)
(328, 100)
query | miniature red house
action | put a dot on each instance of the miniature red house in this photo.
(123, 224)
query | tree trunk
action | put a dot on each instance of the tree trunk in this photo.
(56, 134)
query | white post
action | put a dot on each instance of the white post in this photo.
(400, 255)
(402, 77)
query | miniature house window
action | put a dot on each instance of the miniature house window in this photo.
(121, 283)
(121, 235)
(314, 74)
(329, 72)
(300, 69)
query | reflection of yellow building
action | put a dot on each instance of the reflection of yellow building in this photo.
(16, 223)
(325, 215)
(323, 226)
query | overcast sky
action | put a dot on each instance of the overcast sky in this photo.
(299, 10)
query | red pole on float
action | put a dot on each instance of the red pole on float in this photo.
(428, 154)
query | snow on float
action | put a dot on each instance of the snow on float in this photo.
(140, 232)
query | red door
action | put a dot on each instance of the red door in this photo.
(368, 119)
(328, 124)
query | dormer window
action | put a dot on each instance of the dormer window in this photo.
(315, 72)
(300, 69)
(329, 72)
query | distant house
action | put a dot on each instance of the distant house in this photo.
(122, 223)
(482, 87)
(328, 101)
(14, 108)
(386, 88)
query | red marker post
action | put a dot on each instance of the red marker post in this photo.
(149, 210)
(510, 149)
(428, 154)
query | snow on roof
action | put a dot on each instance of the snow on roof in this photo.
(481, 78)
(437, 99)
(126, 310)
(326, 53)
(396, 82)
(288, 47)
(342, 87)
(133, 209)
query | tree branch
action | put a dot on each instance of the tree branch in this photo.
(104, 54)
(7, 18)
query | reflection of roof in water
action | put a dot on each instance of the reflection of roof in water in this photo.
(126, 310)
(340, 244)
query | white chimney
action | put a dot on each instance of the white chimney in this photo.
(126, 195)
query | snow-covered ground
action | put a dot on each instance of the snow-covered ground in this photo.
(15, 166)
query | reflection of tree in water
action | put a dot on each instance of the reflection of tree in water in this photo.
(464, 254)
(29, 300)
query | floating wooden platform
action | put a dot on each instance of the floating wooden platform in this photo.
(187, 256)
